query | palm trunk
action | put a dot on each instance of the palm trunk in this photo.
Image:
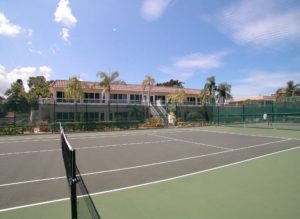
(108, 104)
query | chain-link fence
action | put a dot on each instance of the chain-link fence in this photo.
(282, 115)
(18, 118)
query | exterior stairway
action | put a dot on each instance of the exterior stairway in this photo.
(159, 111)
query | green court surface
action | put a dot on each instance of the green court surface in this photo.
(266, 187)
(254, 131)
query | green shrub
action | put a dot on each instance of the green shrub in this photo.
(153, 122)
(194, 116)
(15, 130)
(95, 126)
(43, 126)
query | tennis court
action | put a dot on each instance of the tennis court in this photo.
(148, 173)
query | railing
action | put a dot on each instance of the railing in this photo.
(66, 100)
(112, 101)
(161, 108)
(93, 101)
(122, 101)
(135, 102)
(153, 111)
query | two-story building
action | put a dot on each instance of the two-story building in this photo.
(96, 105)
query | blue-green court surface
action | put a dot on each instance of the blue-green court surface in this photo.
(266, 187)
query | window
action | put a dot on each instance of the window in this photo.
(135, 98)
(89, 97)
(118, 98)
(65, 116)
(91, 116)
(102, 117)
(161, 98)
(191, 100)
(121, 116)
(59, 96)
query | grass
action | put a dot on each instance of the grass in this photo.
(266, 188)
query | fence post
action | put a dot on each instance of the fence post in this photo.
(243, 113)
(15, 111)
(73, 181)
(86, 117)
(218, 108)
(54, 113)
(272, 112)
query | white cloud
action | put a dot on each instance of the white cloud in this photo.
(45, 71)
(260, 22)
(65, 34)
(152, 9)
(63, 14)
(54, 49)
(32, 50)
(263, 83)
(29, 32)
(8, 77)
(7, 28)
(200, 61)
(186, 66)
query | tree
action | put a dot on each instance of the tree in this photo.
(16, 98)
(39, 87)
(178, 97)
(74, 89)
(207, 95)
(148, 83)
(171, 83)
(223, 90)
(106, 82)
(290, 90)
(15, 89)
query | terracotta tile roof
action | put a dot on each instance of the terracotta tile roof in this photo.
(255, 98)
(129, 88)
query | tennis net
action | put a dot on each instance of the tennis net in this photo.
(82, 205)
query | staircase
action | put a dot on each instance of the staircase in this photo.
(159, 111)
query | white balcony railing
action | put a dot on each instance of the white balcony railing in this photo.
(112, 101)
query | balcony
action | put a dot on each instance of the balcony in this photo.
(112, 101)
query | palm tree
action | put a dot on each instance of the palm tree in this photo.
(223, 90)
(74, 90)
(106, 82)
(178, 97)
(290, 90)
(208, 93)
(148, 82)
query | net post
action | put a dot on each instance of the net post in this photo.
(73, 181)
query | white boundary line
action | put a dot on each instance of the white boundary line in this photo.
(83, 137)
(86, 148)
(144, 165)
(192, 142)
(29, 152)
(154, 182)
(243, 134)
(123, 133)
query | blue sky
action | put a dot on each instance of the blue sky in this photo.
(252, 45)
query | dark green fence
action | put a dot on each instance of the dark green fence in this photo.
(283, 115)
(17, 118)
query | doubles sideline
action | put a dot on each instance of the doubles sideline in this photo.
(154, 182)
